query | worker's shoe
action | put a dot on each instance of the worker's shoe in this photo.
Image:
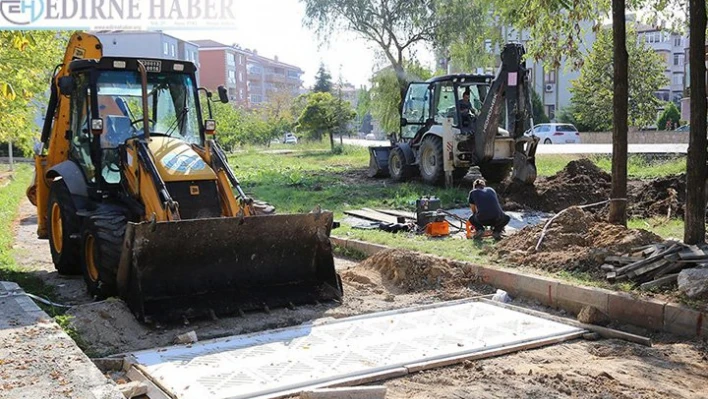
(478, 235)
(498, 236)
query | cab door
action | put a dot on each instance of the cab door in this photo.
(416, 109)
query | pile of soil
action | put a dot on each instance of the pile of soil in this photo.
(575, 241)
(406, 271)
(660, 197)
(580, 182)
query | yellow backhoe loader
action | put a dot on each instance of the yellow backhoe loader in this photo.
(132, 191)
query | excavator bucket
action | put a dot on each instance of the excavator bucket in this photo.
(191, 268)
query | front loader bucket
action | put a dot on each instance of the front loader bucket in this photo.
(378, 161)
(188, 268)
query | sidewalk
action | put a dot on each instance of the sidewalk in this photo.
(38, 359)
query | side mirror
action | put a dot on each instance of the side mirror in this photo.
(404, 122)
(223, 94)
(66, 85)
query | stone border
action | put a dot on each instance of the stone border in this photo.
(647, 313)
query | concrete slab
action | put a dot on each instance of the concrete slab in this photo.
(647, 313)
(680, 320)
(38, 359)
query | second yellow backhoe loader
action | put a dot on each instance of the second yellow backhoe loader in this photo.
(132, 191)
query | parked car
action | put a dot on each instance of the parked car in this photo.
(371, 136)
(290, 139)
(556, 133)
(685, 128)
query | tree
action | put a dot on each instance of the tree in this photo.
(322, 115)
(386, 98)
(539, 114)
(593, 91)
(695, 216)
(28, 59)
(670, 118)
(395, 26)
(620, 102)
(363, 108)
(323, 81)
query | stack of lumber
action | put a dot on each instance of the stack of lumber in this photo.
(656, 265)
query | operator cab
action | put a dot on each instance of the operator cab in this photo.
(429, 103)
(107, 96)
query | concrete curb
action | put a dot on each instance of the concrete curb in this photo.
(648, 313)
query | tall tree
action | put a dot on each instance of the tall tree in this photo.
(394, 26)
(592, 93)
(620, 101)
(694, 219)
(323, 80)
(385, 97)
(321, 115)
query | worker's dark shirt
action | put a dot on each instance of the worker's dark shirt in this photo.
(488, 207)
(464, 106)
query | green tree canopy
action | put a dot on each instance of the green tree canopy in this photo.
(539, 114)
(323, 114)
(386, 98)
(592, 92)
(323, 80)
(670, 118)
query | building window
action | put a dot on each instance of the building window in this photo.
(165, 48)
(230, 59)
(232, 77)
(678, 79)
(240, 59)
(678, 59)
(256, 98)
(255, 69)
(293, 74)
(172, 50)
(549, 77)
(240, 94)
(240, 76)
(678, 41)
(551, 111)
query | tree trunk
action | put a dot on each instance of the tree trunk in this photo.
(694, 219)
(618, 209)
(402, 83)
(331, 140)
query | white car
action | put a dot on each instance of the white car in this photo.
(290, 139)
(371, 136)
(556, 133)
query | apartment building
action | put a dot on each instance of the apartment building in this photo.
(149, 44)
(224, 65)
(268, 76)
(671, 47)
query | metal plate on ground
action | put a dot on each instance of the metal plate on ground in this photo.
(270, 363)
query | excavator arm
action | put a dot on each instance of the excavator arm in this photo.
(511, 89)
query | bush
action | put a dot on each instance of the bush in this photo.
(670, 118)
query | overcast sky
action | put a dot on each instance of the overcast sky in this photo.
(274, 27)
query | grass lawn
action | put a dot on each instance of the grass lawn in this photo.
(10, 197)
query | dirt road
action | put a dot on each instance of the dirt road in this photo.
(580, 369)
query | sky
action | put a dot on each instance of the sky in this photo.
(274, 27)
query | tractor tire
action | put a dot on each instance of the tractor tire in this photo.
(398, 168)
(103, 234)
(431, 160)
(495, 172)
(62, 223)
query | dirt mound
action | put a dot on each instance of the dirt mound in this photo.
(660, 197)
(575, 241)
(580, 182)
(412, 272)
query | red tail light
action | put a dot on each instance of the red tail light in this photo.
(558, 133)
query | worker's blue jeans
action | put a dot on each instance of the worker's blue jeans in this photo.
(497, 225)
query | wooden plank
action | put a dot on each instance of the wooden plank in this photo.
(660, 282)
(674, 267)
(603, 331)
(393, 212)
(607, 268)
(672, 249)
(375, 216)
(692, 252)
(154, 390)
(642, 248)
(622, 259)
(371, 392)
(648, 268)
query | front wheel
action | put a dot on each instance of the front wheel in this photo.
(431, 160)
(63, 222)
(102, 235)
(398, 168)
(547, 141)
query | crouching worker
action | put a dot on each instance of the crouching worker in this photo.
(486, 210)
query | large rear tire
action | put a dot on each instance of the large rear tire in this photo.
(398, 167)
(63, 222)
(431, 160)
(103, 234)
(495, 172)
